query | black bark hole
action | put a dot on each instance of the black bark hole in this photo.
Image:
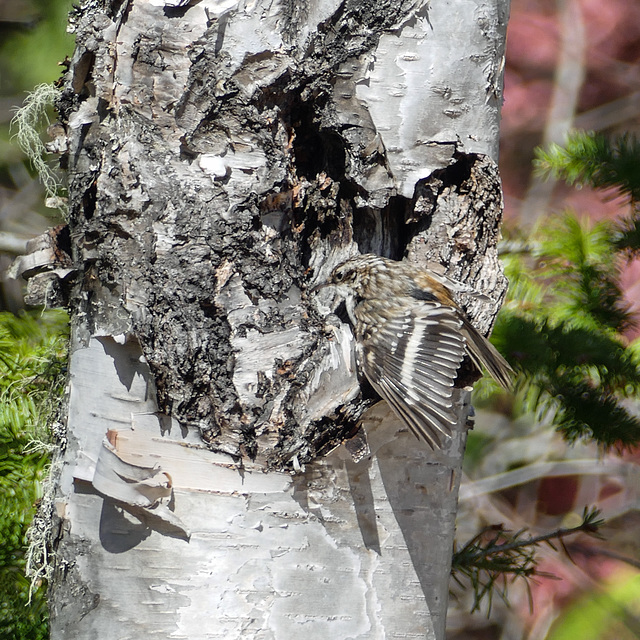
(316, 150)
(89, 201)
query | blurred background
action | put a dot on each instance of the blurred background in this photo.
(571, 64)
(33, 41)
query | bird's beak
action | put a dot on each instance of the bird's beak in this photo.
(318, 287)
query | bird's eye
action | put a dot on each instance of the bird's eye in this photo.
(338, 276)
(343, 275)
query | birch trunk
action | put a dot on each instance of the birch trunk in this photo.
(223, 156)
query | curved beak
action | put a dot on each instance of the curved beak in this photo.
(318, 287)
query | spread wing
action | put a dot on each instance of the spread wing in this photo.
(412, 361)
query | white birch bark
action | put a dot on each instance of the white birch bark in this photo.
(223, 157)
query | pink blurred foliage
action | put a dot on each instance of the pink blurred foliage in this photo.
(555, 589)
(613, 29)
(612, 57)
(567, 581)
(532, 43)
(630, 283)
(525, 103)
(591, 203)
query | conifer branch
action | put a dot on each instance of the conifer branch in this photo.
(492, 564)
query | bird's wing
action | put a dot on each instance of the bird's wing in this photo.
(412, 361)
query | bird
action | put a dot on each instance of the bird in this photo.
(411, 339)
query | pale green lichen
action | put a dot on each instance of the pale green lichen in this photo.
(27, 124)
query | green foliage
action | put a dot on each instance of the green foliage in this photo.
(602, 163)
(30, 55)
(596, 160)
(563, 325)
(32, 360)
(627, 238)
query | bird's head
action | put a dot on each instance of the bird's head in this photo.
(358, 276)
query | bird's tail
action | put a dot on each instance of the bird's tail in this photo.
(483, 353)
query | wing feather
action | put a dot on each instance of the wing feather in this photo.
(412, 361)
(425, 428)
(424, 379)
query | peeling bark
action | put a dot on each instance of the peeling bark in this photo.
(222, 158)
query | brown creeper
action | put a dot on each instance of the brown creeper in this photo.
(411, 338)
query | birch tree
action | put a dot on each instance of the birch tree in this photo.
(225, 472)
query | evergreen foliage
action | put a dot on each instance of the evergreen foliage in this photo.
(563, 324)
(494, 558)
(596, 160)
(593, 159)
(32, 360)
